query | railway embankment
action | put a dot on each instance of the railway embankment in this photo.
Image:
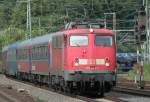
(39, 95)
(9, 94)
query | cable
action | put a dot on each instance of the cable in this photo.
(108, 6)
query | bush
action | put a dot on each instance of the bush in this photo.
(136, 72)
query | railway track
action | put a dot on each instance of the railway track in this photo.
(112, 98)
(7, 98)
(133, 91)
(7, 94)
(85, 98)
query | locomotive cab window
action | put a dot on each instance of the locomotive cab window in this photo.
(103, 41)
(78, 40)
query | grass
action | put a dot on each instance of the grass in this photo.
(39, 100)
(136, 72)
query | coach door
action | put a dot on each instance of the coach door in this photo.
(57, 54)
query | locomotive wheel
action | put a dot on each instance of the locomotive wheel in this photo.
(68, 87)
(18, 75)
(107, 87)
(80, 91)
(101, 90)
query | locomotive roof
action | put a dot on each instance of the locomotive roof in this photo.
(87, 31)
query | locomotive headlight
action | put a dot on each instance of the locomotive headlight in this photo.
(91, 30)
(107, 64)
(76, 64)
(76, 61)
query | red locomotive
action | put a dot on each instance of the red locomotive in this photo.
(80, 58)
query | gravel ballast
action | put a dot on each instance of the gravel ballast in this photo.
(39, 94)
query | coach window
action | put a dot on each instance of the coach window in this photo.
(19, 54)
(22, 53)
(41, 52)
(103, 40)
(37, 52)
(33, 52)
(46, 51)
(78, 40)
(44, 47)
(25, 53)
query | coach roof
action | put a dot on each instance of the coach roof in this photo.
(41, 39)
(24, 43)
(13, 46)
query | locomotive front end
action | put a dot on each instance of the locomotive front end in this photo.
(91, 60)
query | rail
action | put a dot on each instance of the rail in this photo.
(133, 91)
(80, 97)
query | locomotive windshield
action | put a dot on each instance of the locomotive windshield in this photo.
(78, 40)
(103, 40)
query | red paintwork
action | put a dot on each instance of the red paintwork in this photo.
(63, 58)
(41, 66)
(90, 52)
(24, 66)
(57, 60)
(87, 52)
(86, 31)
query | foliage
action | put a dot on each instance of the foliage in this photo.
(122, 48)
(49, 15)
(135, 72)
(12, 34)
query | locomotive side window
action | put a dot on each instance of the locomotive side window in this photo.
(78, 40)
(103, 41)
(57, 42)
